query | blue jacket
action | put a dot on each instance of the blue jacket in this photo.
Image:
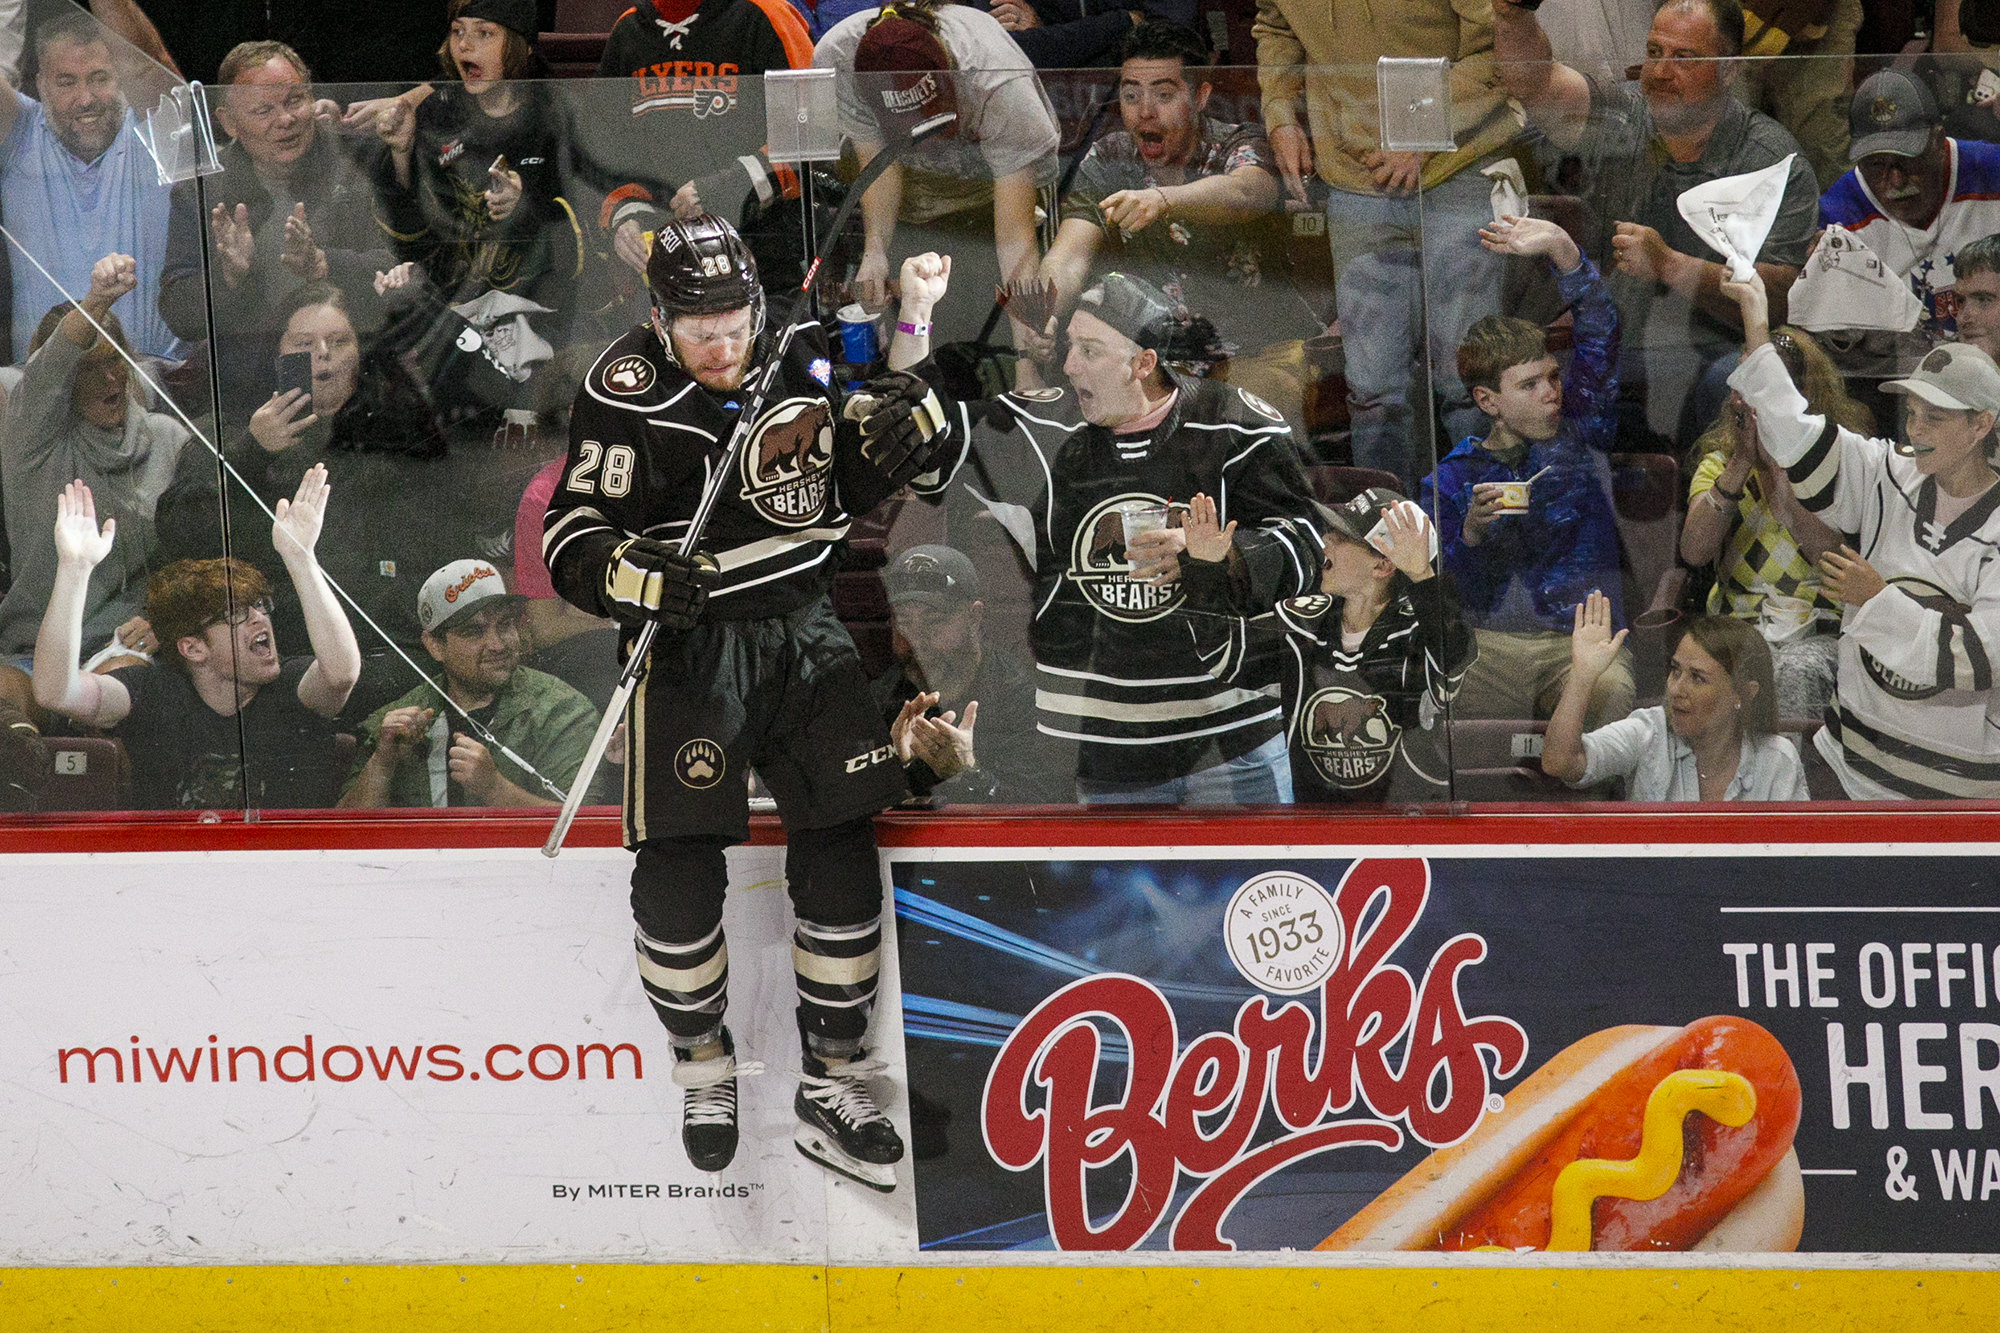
(1531, 571)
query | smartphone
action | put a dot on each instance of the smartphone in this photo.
(295, 371)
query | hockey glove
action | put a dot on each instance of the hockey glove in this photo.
(650, 580)
(902, 424)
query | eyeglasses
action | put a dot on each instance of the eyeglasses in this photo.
(242, 616)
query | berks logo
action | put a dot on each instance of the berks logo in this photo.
(1098, 567)
(700, 764)
(788, 463)
(1404, 1050)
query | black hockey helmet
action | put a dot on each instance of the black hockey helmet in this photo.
(702, 267)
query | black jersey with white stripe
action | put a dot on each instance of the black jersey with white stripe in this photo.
(644, 440)
(1150, 688)
(1366, 723)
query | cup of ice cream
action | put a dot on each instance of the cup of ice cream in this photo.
(1513, 497)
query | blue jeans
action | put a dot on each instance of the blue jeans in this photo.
(1261, 777)
(1387, 301)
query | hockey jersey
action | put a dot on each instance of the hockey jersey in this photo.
(644, 440)
(1923, 255)
(1914, 713)
(1367, 724)
(694, 65)
(1150, 690)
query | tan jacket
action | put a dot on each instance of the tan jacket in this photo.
(1328, 51)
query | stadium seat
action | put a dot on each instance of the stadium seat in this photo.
(86, 775)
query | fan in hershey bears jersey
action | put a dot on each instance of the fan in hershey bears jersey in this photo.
(1369, 661)
(1091, 482)
(1914, 712)
(749, 670)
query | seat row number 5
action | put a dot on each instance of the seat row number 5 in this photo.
(617, 477)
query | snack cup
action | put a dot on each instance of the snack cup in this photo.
(1784, 619)
(1513, 497)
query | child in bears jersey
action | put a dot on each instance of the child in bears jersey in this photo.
(1370, 661)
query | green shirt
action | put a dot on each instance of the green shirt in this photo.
(542, 719)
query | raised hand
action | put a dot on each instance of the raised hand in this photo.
(110, 278)
(1512, 235)
(300, 255)
(925, 279)
(235, 243)
(1592, 645)
(1409, 533)
(299, 519)
(503, 190)
(78, 540)
(1751, 299)
(1206, 540)
(629, 242)
(277, 424)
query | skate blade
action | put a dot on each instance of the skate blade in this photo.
(819, 1148)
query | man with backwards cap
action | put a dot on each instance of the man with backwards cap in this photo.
(1915, 195)
(750, 668)
(1914, 712)
(948, 683)
(1160, 701)
(417, 751)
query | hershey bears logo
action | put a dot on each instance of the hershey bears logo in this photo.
(700, 764)
(788, 463)
(1260, 407)
(1098, 567)
(1349, 737)
(1036, 395)
(1932, 598)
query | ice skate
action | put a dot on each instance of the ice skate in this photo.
(708, 1104)
(840, 1126)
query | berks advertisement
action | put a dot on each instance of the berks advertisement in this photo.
(1708, 1050)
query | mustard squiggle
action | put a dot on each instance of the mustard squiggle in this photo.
(1721, 1096)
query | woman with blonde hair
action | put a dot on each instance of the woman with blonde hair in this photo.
(1765, 546)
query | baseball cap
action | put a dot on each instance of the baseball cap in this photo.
(1150, 318)
(937, 576)
(461, 585)
(919, 83)
(1362, 519)
(1891, 113)
(1954, 375)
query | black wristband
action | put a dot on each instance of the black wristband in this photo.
(1733, 497)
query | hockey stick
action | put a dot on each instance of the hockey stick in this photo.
(642, 647)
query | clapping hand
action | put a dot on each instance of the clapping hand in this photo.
(1206, 540)
(394, 279)
(301, 255)
(78, 540)
(234, 240)
(1592, 645)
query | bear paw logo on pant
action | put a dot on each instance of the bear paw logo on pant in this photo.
(1098, 566)
(1349, 737)
(788, 463)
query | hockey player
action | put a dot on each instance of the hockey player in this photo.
(1369, 662)
(1914, 712)
(750, 668)
(1161, 702)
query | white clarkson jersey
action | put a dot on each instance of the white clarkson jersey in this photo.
(1914, 713)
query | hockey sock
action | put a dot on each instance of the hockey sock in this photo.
(688, 985)
(836, 968)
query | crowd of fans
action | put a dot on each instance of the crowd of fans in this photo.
(1647, 429)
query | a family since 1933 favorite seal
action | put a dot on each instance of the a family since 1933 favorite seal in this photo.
(1283, 933)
